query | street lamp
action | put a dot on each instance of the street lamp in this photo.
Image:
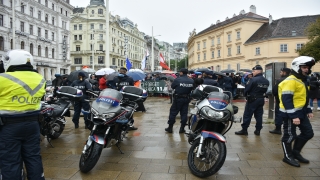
(152, 59)
(107, 63)
(92, 49)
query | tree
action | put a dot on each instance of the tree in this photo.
(312, 48)
(181, 63)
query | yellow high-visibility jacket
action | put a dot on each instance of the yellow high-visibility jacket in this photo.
(293, 98)
(21, 92)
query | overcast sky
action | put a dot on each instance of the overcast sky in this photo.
(174, 19)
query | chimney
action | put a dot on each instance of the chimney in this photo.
(253, 9)
(242, 12)
(270, 19)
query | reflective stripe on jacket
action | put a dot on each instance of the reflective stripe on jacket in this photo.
(20, 92)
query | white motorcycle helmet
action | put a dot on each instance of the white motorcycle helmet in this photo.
(17, 57)
(302, 61)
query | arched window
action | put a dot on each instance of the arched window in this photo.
(11, 44)
(22, 45)
(92, 12)
(39, 50)
(52, 53)
(47, 18)
(100, 11)
(31, 49)
(46, 52)
(1, 43)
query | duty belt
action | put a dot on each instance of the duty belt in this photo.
(12, 120)
(181, 95)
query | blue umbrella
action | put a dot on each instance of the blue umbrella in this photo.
(136, 76)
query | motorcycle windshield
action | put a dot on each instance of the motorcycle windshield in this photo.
(218, 100)
(108, 101)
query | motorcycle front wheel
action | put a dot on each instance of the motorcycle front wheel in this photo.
(90, 158)
(57, 129)
(211, 159)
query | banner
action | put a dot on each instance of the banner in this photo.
(155, 86)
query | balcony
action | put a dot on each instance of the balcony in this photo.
(76, 52)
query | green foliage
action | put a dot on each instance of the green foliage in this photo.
(181, 63)
(312, 48)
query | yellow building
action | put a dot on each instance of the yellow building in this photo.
(248, 39)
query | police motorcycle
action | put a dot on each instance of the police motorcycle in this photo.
(54, 110)
(110, 119)
(211, 118)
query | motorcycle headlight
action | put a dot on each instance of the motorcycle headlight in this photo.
(210, 113)
(108, 115)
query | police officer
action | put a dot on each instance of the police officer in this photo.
(82, 85)
(182, 88)
(284, 73)
(295, 110)
(20, 93)
(207, 80)
(255, 92)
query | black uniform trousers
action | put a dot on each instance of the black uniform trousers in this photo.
(20, 142)
(78, 105)
(278, 121)
(179, 105)
(289, 130)
(253, 108)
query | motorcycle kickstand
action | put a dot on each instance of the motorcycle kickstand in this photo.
(49, 140)
(118, 146)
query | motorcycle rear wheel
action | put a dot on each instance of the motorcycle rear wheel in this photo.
(90, 158)
(212, 157)
(56, 134)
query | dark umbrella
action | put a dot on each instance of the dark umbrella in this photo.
(156, 72)
(74, 75)
(219, 73)
(112, 75)
(167, 77)
(245, 70)
(228, 71)
(202, 69)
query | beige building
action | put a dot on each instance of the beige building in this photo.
(248, 39)
(88, 39)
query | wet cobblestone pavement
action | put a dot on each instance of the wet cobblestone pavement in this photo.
(151, 153)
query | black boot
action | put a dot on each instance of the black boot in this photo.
(297, 146)
(257, 132)
(169, 129)
(288, 156)
(182, 128)
(242, 132)
(277, 130)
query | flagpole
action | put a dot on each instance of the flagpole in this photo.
(152, 57)
(107, 63)
(169, 58)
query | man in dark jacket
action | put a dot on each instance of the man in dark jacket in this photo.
(228, 83)
(57, 82)
(235, 81)
(220, 81)
(284, 73)
(122, 79)
(207, 80)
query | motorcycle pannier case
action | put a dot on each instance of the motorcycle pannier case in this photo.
(71, 93)
(134, 93)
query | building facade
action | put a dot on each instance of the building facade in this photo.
(88, 39)
(248, 39)
(42, 28)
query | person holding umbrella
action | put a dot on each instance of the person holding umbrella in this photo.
(83, 85)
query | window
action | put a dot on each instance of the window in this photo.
(229, 66)
(10, 23)
(100, 11)
(1, 20)
(198, 57)
(198, 46)
(52, 53)
(91, 47)
(114, 61)
(80, 37)
(46, 3)
(39, 15)
(64, 25)
(39, 31)
(75, 27)
(80, 26)
(238, 35)
(229, 37)
(238, 50)
(121, 62)
(22, 44)
(212, 54)
(52, 6)
(22, 8)
(39, 50)
(31, 11)
(218, 40)
(46, 34)
(212, 42)
(61, 10)
(1, 1)
(22, 26)
(39, 1)
(92, 12)
(66, 13)
(283, 48)
(78, 48)
(299, 46)
(1, 43)
(258, 51)
(46, 19)
(204, 56)
(204, 44)
(100, 59)
(75, 37)
(52, 19)
(90, 59)
(91, 36)
(219, 53)
(101, 47)
(100, 36)
(238, 66)
(229, 51)
(101, 26)
(52, 36)
(92, 26)
(77, 60)
(31, 49)
(46, 52)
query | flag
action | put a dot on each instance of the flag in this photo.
(144, 60)
(163, 63)
(128, 64)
